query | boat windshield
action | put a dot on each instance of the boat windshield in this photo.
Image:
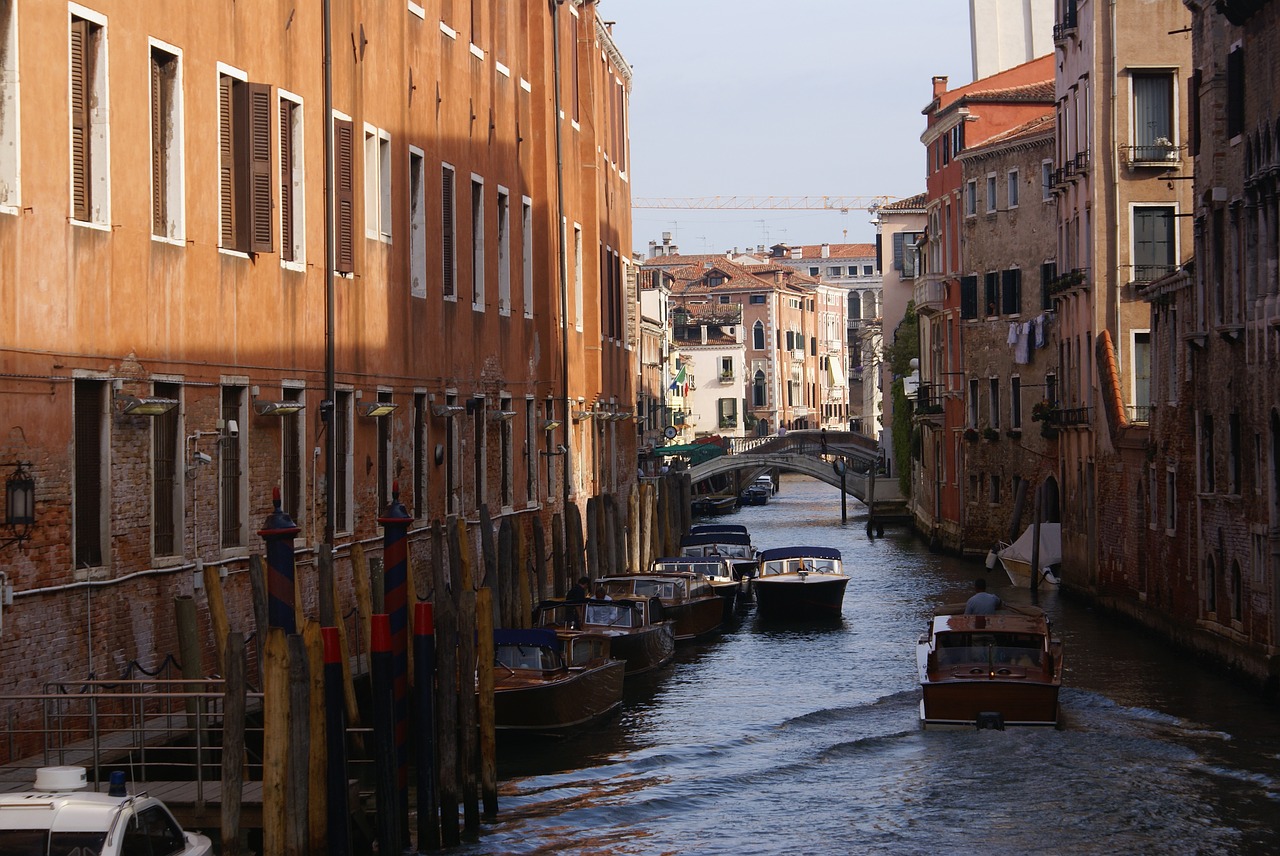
(525, 657)
(996, 649)
(610, 614)
(707, 569)
(665, 589)
(795, 565)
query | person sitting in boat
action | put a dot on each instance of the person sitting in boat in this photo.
(602, 593)
(578, 594)
(982, 602)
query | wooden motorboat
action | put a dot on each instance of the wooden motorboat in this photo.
(989, 670)
(755, 494)
(727, 584)
(800, 583)
(687, 598)
(638, 631)
(1015, 558)
(712, 504)
(728, 540)
(549, 681)
(61, 815)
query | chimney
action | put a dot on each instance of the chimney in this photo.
(939, 86)
(653, 249)
(797, 253)
(826, 251)
(704, 334)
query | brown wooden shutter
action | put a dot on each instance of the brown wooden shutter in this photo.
(159, 216)
(259, 129)
(344, 196)
(226, 163)
(446, 229)
(80, 82)
(286, 183)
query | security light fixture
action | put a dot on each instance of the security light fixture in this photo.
(378, 409)
(550, 424)
(443, 410)
(501, 415)
(276, 408)
(579, 415)
(132, 405)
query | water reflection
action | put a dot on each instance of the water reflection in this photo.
(806, 739)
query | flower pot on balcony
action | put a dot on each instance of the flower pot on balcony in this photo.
(972, 435)
(990, 435)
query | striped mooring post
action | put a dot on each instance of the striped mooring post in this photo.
(395, 551)
(278, 531)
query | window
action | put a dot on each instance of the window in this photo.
(1153, 128)
(90, 172)
(815, 271)
(992, 292)
(344, 195)
(1210, 584)
(867, 270)
(577, 277)
(153, 831)
(480, 440)
(1235, 91)
(166, 475)
(1206, 452)
(968, 297)
(530, 451)
(971, 198)
(417, 223)
(1011, 292)
(477, 242)
(994, 495)
(973, 402)
(726, 368)
(448, 223)
(1153, 242)
(1048, 273)
(420, 446)
(991, 193)
(1046, 181)
(244, 139)
(1237, 591)
(1013, 188)
(232, 475)
(757, 299)
(90, 476)
(377, 184)
(292, 435)
(526, 254)
(342, 460)
(385, 454)
(166, 144)
(292, 200)
(836, 271)
(552, 448)
(1015, 403)
(993, 406)
(1233, 454)
(759, 398)
(9, 159)
(504, 254)
(506, 470)
(452, 457)
(727, 408)
(757, 336)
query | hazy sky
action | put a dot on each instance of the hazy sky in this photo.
(780, 98)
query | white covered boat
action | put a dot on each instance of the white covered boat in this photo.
(1015, 558)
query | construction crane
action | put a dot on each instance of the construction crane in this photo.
(745, 203)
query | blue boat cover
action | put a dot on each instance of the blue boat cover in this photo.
(799, 552)
(701, 538)
(700, 528)
(537, 636)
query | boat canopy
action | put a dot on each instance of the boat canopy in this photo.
(799, 553)
(539, 636)
(1050, 545)
(701, 538)
(702, 528)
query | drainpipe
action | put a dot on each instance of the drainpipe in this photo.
(325, 564)
(561, 223)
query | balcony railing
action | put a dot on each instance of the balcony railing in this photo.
(1164, 155)
(1139, 414)
(1142, 274)
(1073, 416)
(726, 377)
(1081, 161)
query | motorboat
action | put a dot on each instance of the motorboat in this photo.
(725, 581)
(61, 815)
(728, 540)
(756, 493)
(713, 504)
(1015, 558)
(639, 632)
(800, 582)
(688, 599)
(989, 671)
(551, 681)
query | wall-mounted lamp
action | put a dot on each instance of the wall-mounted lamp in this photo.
(19, 503)
(550, 424)
(276, 408)
(378, 409)
(132, 405)
(501, 415)
(579, 415)
(443, 410)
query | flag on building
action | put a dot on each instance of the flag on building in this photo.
(678, 385)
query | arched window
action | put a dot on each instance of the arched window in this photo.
(868, 305)
(758, 397)
(757, 336)
(1210, 585)
(1237, 591)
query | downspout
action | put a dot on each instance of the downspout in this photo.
(325, 577)
(1113, 322)
(564, 262)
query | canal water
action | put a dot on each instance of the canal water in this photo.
(806, 739)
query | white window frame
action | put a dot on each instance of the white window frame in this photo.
(1046, 180)
(971, 198)
(377, 184)
(991, 193)
(477, 241)
(577, 277)
(449, 262)
(504, 250)
(11, 126)
(417, 222)
(176, 174)
(298, 189)
(100, 138)
(243, 77)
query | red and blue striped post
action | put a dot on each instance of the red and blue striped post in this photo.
(278, 531)
(390, 831)
(395, 551)
(339, 823)
(424, 670)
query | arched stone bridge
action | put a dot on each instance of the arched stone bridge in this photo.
(804, 452)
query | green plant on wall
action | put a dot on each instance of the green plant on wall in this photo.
(904, 349)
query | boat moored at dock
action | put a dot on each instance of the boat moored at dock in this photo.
(638, 631)
(551, 681)
(800, 583)
(688, 599)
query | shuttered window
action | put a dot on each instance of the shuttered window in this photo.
(165, 496)
(291, 459)
(1048, 273)
(166, 127)
(244, 155)
(1011, 291)
(292, 248)
(344, 196)
(991, 289)
(968, 297)
(87, 96)
(448, 221)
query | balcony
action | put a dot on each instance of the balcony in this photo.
(1139, 414)
(798, 355)
(1081, 162)
(1161, 154)
(1077, 278)
(928, 295)
(726, 377)
(1073, 416)
(1148, 273)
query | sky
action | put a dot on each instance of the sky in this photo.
(780, 98)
